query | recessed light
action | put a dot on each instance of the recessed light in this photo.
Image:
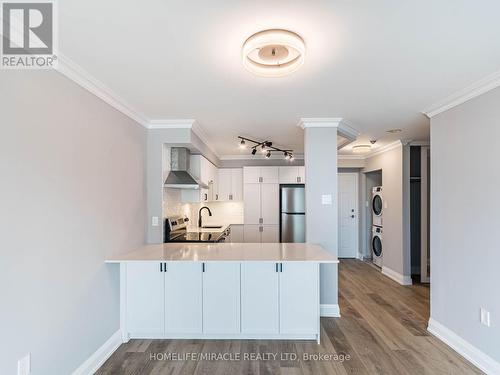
(361, 149)
(393, 131)
(273, 53)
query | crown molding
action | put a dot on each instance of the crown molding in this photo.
(478, 88)
(381, 150)
(320, 122)
(172, 124)
(80, 76)
(183, 124)
(350, 157)
(258, 157)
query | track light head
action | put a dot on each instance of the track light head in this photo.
(268, 155)
(254, 151)
(242, 143)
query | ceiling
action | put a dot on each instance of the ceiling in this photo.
(377, 64)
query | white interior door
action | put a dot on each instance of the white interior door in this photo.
(259, 297)
(348, 215)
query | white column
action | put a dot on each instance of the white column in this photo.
(320, 154)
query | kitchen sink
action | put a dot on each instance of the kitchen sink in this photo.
(212, 226)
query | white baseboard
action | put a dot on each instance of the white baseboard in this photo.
(329, 310)
(397, 277)
(478, 358)
(97, 359)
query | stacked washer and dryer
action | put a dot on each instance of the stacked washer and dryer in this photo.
(377, 228)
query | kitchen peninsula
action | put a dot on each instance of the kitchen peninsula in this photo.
(221, 291)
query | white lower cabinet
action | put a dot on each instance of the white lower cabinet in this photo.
(299, 297)
(259, 298)
(270, 234)
(226, 299)
(145, 299)
(237, 233)
(261, 233)
(221, 297)
(183, 298)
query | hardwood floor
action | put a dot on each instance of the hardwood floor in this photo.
(382, 329)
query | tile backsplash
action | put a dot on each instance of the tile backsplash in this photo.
(223, 212)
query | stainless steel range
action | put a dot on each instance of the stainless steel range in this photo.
(176, 230)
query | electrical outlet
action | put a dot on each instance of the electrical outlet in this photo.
(24, 365)
(154, 221)
(484, 317)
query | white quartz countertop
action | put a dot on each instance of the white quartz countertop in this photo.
(216, 252)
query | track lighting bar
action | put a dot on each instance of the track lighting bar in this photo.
(266, 147)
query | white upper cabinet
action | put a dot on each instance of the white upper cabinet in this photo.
(292, 175)
(236, 184)
(256, 175)
(251, 175)
(270, 175)
(230, 184)
(206, 172)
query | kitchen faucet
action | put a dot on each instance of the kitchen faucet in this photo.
(199, 215)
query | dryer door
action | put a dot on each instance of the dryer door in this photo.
(377, 205)
(377, 246)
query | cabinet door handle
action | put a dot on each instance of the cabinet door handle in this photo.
(277, 267)
(281, 267)
(206, 196)
(230, 197)
(261, 229)
(261, 220)
(203, 267)
(299, 179)
(161, 267)
(165, 267)
(216, 197)
(261, 179)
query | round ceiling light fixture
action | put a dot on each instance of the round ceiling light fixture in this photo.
(361, 149)
(273, 53)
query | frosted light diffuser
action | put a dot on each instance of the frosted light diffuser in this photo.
(273, 53)
(361, 149)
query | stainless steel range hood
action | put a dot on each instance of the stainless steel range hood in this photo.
(179, 177)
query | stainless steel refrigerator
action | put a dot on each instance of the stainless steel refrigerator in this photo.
(293, 213)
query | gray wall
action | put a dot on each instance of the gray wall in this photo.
(321, 220)
(465, 220)
(72, 191)
(391, 163)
